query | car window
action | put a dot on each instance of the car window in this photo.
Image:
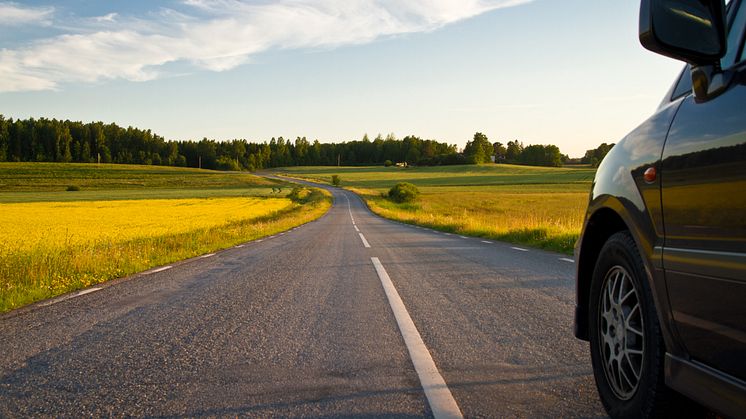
(684, 85)
(735, 36)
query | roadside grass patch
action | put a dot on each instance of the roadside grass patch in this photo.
(128, 219)
(535, 206)
(56, 264)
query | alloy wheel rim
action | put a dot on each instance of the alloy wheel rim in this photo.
(622, 333)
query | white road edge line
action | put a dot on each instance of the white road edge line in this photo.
(486, 241)
(67, 297)
(519, 249)
(567, 260)
(239, 246)
(365, 242)
(356, 229)
(165, 268)
(441, 401)
(463, 237)
(209, 255)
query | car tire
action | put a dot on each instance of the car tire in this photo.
(627, 349)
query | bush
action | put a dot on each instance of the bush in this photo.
(299, 194)
(403, 192)
(388, 163)
(227, 163)
(336, 180)
(73, 188)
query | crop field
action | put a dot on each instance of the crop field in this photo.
(536, 206)
(58, 241)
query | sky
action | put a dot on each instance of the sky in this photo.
(570, 73)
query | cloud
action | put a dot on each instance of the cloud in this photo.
(13, 14)
(107, 18)
(219, 35)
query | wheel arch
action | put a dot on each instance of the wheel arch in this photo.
(604, 223)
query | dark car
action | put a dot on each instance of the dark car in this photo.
(661, 261)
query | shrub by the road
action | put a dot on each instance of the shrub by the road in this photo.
(404, 192)
(388, 163)
(336, 180)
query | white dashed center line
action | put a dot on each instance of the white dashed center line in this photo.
(567, 260)
(519, 249)
(441, 401)
(356, 229)
(365, 242)
(485, 241)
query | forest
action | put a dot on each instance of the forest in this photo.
(52, 140)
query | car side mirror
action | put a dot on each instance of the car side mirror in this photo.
(687, 30)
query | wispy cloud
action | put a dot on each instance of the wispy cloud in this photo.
(218, 35)
(14, 14)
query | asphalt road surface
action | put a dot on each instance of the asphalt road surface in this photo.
(348, 316)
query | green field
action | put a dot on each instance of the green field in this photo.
(126, 219)
(536, 206)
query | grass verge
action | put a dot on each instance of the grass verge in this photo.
(538, 207)
(548, 222)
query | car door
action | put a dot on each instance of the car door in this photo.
(703, 180)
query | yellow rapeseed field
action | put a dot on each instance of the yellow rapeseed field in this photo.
(49, 248)
(53, 225)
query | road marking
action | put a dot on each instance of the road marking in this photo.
(365, 242)
(349, 209)
(209, 255)
(447, 234)
(165, 268)
(441, 401)
(463, 237)
(567, 260)
(67, 297)
(356, 229)
(485, 241)
(239, 246)
(519, 249)
(259, 241)
(281, 234)
(88, 291)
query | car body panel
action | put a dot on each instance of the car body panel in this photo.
(704, 208)
(619, 186)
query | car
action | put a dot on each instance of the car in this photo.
(661, 259)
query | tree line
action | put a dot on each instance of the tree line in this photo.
(480, 150)
(52, 140)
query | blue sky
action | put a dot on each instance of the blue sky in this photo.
(570, 73)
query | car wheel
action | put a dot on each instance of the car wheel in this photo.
(627, 350)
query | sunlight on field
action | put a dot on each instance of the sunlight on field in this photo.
(550, 220)
(54, 224)
(536, 206)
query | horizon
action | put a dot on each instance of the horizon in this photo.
(229, 69)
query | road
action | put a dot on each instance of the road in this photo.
(351, 315)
